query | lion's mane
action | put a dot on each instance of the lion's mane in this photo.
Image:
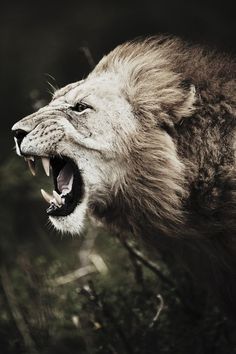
(181, 178)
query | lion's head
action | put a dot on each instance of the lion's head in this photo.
(107, 140)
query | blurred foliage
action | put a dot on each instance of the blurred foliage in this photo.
(110, 311)
(105, 312)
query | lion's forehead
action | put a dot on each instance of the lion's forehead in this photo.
(64, 90)
(102, 87)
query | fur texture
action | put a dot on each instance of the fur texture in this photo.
(157, 152)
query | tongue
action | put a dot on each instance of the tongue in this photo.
(65, 179)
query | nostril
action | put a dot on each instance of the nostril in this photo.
(19, 135)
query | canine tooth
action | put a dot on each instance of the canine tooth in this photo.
(47, 196)
(57, 197)
(31, 165)
(46, 165)
(54, 201)
(63, 196)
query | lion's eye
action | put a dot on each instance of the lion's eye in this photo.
(80, 107)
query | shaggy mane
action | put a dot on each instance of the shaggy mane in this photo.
(167, 84)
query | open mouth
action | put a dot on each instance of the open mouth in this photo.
(68, 184)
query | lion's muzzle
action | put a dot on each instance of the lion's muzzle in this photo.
(68, 182)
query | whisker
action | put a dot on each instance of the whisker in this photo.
(53, 86)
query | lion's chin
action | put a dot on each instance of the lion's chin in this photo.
(72, 223)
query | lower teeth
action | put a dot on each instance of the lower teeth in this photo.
(52, 207)
(56, 200)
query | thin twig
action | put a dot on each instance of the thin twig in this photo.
(97, 265)
(15, 311)
(156, 270)
(159, 310)
(138, 270)
(149, 264)
(72, 276)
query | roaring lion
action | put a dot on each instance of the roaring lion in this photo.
(146, 144)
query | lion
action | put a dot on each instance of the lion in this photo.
(146, 144)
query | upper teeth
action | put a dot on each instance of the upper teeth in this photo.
(46, 165)
(65, 181)
(45, 162)
(31, 164)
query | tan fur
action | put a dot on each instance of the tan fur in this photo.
(158, 150)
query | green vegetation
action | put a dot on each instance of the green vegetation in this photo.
(125, 303)
(114, 309)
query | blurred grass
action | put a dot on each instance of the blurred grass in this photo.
(115, 312)
(109, 312)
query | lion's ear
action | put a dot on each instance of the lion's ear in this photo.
(186, 107)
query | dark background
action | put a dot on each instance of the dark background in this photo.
(43, 41)
(45, 37)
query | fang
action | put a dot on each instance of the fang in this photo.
(31, 165)
(46, 165)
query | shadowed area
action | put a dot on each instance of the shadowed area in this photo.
(54, 296)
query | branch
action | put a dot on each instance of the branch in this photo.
(156, 269)
(149, 264)
(15, 311)
(159, 309)
(72, 276)
(97, 266)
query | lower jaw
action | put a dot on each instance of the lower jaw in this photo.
(73, 223)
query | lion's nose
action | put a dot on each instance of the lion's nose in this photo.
(19, 135)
